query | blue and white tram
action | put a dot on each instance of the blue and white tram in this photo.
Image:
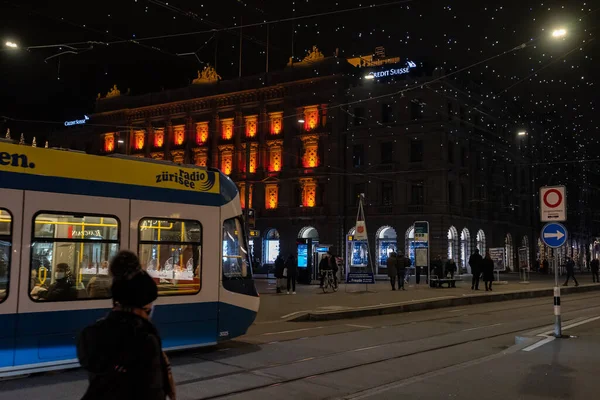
(63, 215)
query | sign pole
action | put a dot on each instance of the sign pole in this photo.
(557, 318)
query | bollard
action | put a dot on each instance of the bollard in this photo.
(557, 320)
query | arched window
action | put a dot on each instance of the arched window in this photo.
(386, 243)
(453, 243)
(509, 251)
(465, 248)
(271, 246)
(481, 245)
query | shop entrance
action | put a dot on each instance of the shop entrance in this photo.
(386, 244)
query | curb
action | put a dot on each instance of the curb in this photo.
(373, 311)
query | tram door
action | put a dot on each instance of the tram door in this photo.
(11, 211)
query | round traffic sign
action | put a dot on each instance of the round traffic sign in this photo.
(553, 198)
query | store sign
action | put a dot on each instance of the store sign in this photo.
(422, 231)
(393, 71)
(360, 278)
(77, 121)
(85, 234)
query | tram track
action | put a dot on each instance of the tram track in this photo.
(259, 371)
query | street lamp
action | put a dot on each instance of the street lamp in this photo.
(558, 33)
(11, 45)
(370, 76)
(522, 133)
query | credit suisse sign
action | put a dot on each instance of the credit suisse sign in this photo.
(392, 71)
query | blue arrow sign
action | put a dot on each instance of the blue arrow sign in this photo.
(554, 235)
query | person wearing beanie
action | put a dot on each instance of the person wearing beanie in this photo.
(123, 352)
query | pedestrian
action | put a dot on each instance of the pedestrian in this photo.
(450, 268)
(595, 264)
(570, 272)
(402, 264)
(475, 263)
(279, 267)
(437, 266)
(487, 268)
(123, 352)
(291, 265)
(392, 269)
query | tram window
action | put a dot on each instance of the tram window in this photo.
(70, 255)
(235, 251)
(171, 252)
(5, 251)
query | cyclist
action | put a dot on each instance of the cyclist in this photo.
(334, 267)
(324, 266)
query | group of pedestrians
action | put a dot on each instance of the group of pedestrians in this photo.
(397, 264)
(286, 271)
(481, 268)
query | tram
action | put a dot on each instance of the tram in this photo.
(65, 214)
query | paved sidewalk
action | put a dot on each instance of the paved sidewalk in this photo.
(310, 299)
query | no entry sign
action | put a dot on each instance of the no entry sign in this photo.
(553, 203)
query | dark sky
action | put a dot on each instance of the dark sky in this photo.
(452, 33)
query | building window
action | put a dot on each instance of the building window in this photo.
(417, 193)
(416, 150)
(387, 193)
(159, 137)
(201, 157)
(415, 110)
(387, 152)
(271, 246)
(276, 123)
(243, 194)
(358, 155)
(251, 125)
(5, 251)
(170, 250)
(271, 196)
(69, 256)
(139, 139)
(227, 128)
(481, 242)
(201, 133)
(309, 192)
(178, 135)
(387, 113)
(310, 158)
(109, 142)
(253, 157)
(450, 152)
(236, 261)
(359, 116)
(275, 155)
(311, 118)
(226, 159)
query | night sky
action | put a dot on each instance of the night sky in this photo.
(55, 83)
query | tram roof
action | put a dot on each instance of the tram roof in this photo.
(65, 171)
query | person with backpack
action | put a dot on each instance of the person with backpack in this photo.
(122, 353)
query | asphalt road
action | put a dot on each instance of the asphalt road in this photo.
(464, 353)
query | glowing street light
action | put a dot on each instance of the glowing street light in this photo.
(300, 121)
(370, 76)
(522, 133)
(558, 33)
(10, 44)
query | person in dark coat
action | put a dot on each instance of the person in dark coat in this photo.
(475, 262)
(392, 269)
(595, 264)
(324, 266)
(334, 267)
(292, 273)
(487, 268)
(402, 264)
(570, 272)
(122, 353)
(450, 269)
(279, 267)
(437, 266)
(63, 288)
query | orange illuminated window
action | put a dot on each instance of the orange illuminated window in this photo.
(311, 117)
(201, 132)
(251, 126)
(139, 138)
(227, 128)
(311, 151)
(243, 195)
(309, 192)
(275, 155)
(276, 122)
(226, 159)
(159, 138)
(253, 157)
(178, 134)
(109, 142)
(271, 196)
(201, 157)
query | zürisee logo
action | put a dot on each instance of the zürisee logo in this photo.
(199, 180)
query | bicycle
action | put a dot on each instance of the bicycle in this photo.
(329, 282)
